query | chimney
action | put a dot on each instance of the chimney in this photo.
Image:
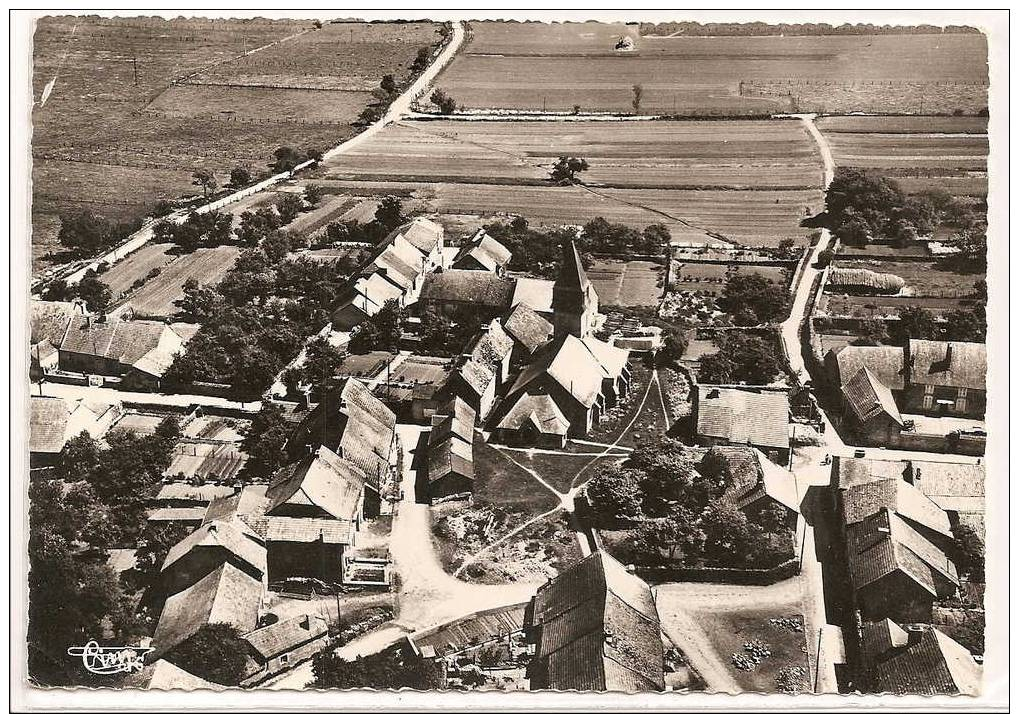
(714, 394)
(916, 476)
(306, 622)
(948, 356)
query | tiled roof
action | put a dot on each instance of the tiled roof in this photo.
(886, 363)
(308, 530)
(755, 476)
(47, 425)
(422, 233)
(920, 660)
(205, 493)
(49, 320)
(864, 500)
(536, 293)
(249, 501)
(486, 251)
(194, 514)
(451, 426)
(322, 480)
(596, 620)
(163, 675)
(474, 286)
(527, 327)
(743, 416)
(952, 486)
(149, 346)
(577, 365)
(232, 536)
(451, 456)
(538, 410)
(273, 640)
(868, 397)
(948, 364)
(476, 375)
(491, 345)
(226, 595)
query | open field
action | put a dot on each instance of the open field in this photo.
(710, 278)
(558, 66)
(923, 279)
(206, 265)
(883, 307)
(97, 146)
(632, 282)
(749, 182)
(136, 266)
(502, 484)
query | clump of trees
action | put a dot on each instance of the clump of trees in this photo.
(388, 669)
(286, 158)
(443, 102)
(240, 177)
(381, 331)
(535, 250)
(741, 359)
(263, 442)
(445, 337)
(752, 299)
(388, 216)
(95, 293)
(864, 206)
(85, 233)
(601, 236)
(256, 225)
(216, 653)
(676, 509)
(198, 230)
(566, 168)
(963, 325)
(206, 180)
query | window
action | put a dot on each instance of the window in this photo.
(928, 396)
(284, 659)
(960, 400)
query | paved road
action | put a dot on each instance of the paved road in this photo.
(115, 396)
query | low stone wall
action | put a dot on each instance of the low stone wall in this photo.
(657, 575)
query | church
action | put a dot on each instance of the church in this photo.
(571, 380)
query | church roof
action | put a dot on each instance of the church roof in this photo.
(571, 272)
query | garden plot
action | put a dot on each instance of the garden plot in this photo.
(923, 279)
(633, 282)
(137, 267)
(157, 296)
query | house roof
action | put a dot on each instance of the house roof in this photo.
(538, 410)
(527, 327)
(280, 637)
(422, 233)
(226, 595)
(485, 250)
(952, 486)
(478, 376)
(886, 363)
(231, 535)
(864, 500)
(743, 416)
(599, 630)
(164, 675)
(491, 345)
(50, 319)
(948, 364)
(205, 493)
(536, 293)
(193, 514)
(308, 530)
(460, 410)
(867, 397)
(149, 346)
(449, 457)
(320, 479)
(922, 660)
(47, 425)
(450, 426)
(885, 543)
(468, 286)
(579, 366)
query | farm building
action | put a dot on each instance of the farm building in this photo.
(354, 424)
(946, 378)
(533, 420)
(595, 628)
(206, 549)
(756, 482)
(917, 659)
(859, 281)
(48, 324)
(481, 371)
(281, 645)
(450, 467)
(482, 252)
(225, 595)
(583, 378)
(138, 351)
(363, 297)
(872, 408)
(53, 421)
(427, 236)
(574, 300)
(478, 292)
(411, 388)
(184, 502)
(528, 329)
(752, 416)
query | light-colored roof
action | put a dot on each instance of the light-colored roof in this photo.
(579, 366)
(538, 410)
(308, 530)
(743, 416)
(422, 233)
(53, 420)
(164, 676)
(232, 536)
(484, 250)
(321, 479)
(204, 493)
(450, 426)
(527, 327)
(147, 346)
(864, 500)
(195, 514)
(886, 363)
(451, 456)
(952, 486)
(948, 364)
(867, 397)
(249, 501)
(50, 318)
(536, 293)
(226, 595)
(283, 636)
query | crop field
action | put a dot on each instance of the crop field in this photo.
(919, 152)
(746, 181)
(632, 282)
(923, 279)
(533, 66)
(136, 266)
(206, 265)
(710, 278)
(115, 142)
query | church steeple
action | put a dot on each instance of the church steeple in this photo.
(574, 300)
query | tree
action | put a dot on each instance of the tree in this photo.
(285, 159)
(678, 537)
(654, 238)
(445, 103)
(289, 207)
(772, 518)
(277, 246)
(96, 294)
(210, 228)
(313, 194)
(322, 361)
(741, 358)
(566, 169)
(216, 653)
(615, 496)
(754, 294)
(240, 177)
(914, 323)
(198, 302)
(205, 179)
(389, 214)
(256, 225)
(86, 233)
(729, 536)
(80, 459)
(667, 475)
(638, 95)
(161, 208)
(370, 114)
(673, 347)
(264, 440)
(969, 549)
(388, 84)
(421, 59)
(388, 669)
(381, 331)
(966, 325)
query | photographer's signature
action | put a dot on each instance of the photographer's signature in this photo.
(110, 660)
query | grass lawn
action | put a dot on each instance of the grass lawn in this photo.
(729, 631)
(649, 422)
(500, 483)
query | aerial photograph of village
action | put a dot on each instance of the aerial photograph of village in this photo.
(498, 356)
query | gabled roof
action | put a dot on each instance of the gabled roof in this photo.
(233, 536)
(922, 660)
(886, 363)
(205, 493)
(755, 476)
(537, 410)
(948, 364)
(527, 327)
(599, 630)
(164, 675)
(280, 637)
(450, 426)
(491, 345)
(421, 233)
(309, 530)
(149, 346)
(451, 456)
(226, 595)
(485, 251)
(952, 486)
(477, 376)
(321, 479)
(579, 366)
(47, 428)
(249, 501)
(50, 319)
(867, 397)
(743, 416)
(536, 293)
(864, 500)
(474, 286)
